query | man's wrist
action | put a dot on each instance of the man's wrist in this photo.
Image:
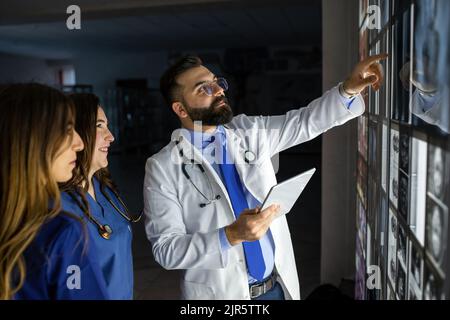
(229, 234)
(224, 243)
(345, 93)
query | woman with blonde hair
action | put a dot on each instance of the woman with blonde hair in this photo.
(43, 252)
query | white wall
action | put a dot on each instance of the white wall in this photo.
(340, 54)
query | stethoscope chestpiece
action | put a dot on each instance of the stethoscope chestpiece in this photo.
(105, 231)
(249, 156)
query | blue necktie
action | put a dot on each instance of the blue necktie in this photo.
(253, 253)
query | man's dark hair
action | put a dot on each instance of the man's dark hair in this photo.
(168, 84)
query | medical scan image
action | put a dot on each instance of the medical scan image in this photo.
(392, 247)
(393, 172)
(436, 174)
(404, 149)
(432, 286)
(403, 195)
(436, 234)
(401, 246)
(415, 273)
(401, 283)
(416, 266)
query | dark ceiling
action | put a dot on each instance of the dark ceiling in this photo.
(156, 25)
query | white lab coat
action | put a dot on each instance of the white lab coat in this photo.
(185, 236)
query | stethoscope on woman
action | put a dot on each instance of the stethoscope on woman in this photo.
(248, 156)
(104, 230)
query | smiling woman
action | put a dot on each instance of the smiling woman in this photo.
(92, 195)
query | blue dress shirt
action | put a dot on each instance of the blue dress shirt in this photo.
(206, 143)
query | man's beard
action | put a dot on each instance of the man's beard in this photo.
(214, 115)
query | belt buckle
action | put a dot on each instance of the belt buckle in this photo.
(254, 292)
(256, 289)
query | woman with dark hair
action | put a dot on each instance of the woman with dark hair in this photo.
(94, 197)
(43, 252)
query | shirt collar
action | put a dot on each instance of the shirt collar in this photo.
(201, 139)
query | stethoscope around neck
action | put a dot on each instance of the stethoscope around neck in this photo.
(248, 157)
(210, 200)
(105, 230)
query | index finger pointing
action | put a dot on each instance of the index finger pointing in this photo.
(367, 62)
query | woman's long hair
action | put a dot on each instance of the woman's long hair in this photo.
(34, 122)
(86, 106)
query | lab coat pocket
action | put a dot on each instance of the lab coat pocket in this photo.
(196, 291)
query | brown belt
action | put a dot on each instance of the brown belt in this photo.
(261, 288)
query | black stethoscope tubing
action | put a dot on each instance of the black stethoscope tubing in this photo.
(188, 177)
(124, 215)
(105, 230)
(248, 156)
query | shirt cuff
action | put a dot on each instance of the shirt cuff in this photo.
(224, 243)
(345, 100)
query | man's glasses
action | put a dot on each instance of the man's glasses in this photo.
(210, 88)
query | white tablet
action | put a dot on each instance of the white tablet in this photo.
(287, 192)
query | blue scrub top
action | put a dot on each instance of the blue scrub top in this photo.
(110, 260)
(61, 265)
(113, 255)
